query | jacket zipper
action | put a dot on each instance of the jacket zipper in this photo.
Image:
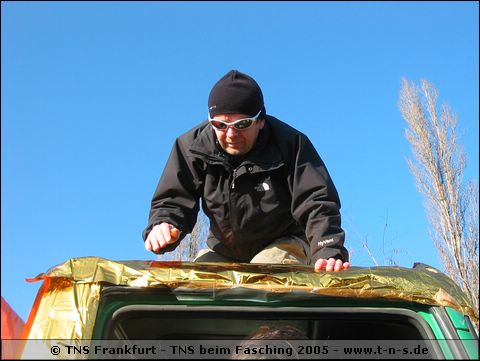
(232, 208)
(233, 179)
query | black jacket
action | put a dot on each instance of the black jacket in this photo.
(281, 188)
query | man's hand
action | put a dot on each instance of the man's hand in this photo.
(331, 264)
(160, 236)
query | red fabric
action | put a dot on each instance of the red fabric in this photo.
(12, 324)
(12, 328)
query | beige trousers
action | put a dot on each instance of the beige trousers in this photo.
(285, 250)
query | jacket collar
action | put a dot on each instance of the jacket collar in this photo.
(264, 153)
(205, 145)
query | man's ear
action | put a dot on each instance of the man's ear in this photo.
(261, 123)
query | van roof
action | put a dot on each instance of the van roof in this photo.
(425, 285)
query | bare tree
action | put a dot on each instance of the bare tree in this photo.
(193, 242)
(188, 248)
(452, 206)
(386, 250)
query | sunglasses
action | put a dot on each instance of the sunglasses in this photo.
(239, 124)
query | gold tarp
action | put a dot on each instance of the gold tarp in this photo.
(66, 305)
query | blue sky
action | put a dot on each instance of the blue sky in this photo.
(95, 93)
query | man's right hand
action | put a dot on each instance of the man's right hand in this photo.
(161, 236)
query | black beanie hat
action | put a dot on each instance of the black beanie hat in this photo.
(236, 93)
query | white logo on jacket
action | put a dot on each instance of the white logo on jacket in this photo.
(325, 242)
(262, 187)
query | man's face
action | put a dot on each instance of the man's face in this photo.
(235, 141)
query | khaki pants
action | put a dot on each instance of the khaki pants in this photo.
(285, 250)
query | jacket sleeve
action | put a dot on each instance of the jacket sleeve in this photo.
(176, 198)
(315, 203)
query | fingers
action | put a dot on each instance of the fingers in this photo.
(160, 236)
(148, 245)
(151, 243)
(320, 264)
(330, 265)
(165, 233)
(174, 234)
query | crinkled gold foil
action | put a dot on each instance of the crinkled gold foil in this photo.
(69, 305)
(67, 310)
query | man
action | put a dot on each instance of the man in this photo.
(261, 183)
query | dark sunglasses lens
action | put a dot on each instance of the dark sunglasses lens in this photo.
(244, 124)
(218, 125)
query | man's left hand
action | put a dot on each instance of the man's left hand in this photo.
(331, 264)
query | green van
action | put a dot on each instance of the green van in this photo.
(153, 309)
